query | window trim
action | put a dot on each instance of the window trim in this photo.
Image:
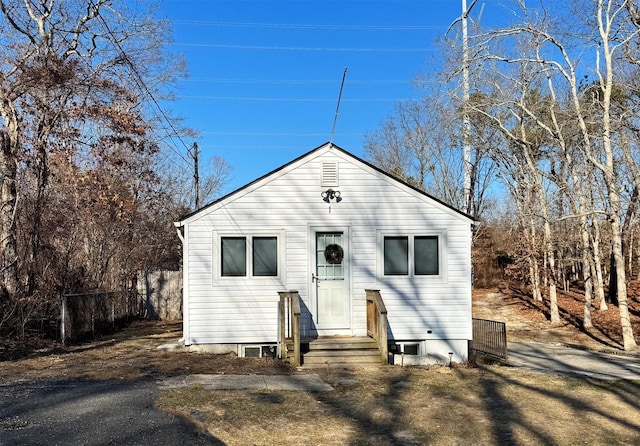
(217, 256)
(441, 236)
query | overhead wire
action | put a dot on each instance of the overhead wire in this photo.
(141, 82)
(309, 26)
(294, 48)
(92, 69)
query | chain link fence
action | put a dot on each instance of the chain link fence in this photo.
(83, 316)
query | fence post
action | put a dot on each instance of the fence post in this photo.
(63, 319)
(93, 316)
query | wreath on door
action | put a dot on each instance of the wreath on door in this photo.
(333, 254)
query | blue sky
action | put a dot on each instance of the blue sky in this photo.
(264, 75)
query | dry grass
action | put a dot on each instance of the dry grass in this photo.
(407, 406)
(385, 406)
(129, 354)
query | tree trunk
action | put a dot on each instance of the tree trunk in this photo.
(9, 284)
(609, 171)
(597, 266)
(534, 273)
(551, 271)
(628, 341)
(586, 274)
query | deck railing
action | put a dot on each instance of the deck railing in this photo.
(289, 326)
(490, 338)
(377, 322)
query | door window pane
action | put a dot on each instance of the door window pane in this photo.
(329, 256)
(265, 256)
(396, 256)
(426, 255)
(234, 256)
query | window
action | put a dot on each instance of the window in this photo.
(234, 256)
(416, 255)
(255, 256)
(396, 256)
(265, 256)
(426, 255)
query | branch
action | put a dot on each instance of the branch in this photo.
(14, 24)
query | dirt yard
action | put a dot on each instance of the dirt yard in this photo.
(528, 320)
(391, 405)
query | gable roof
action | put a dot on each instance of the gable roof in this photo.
(323, 147)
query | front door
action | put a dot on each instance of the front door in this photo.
(333, 302)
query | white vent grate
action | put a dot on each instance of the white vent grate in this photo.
(329, 174)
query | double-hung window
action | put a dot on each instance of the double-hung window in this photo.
(411, 255)
(248, 256)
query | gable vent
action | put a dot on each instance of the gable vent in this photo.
(329, 174)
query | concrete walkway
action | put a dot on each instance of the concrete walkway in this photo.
(573, 362)
(310, 383)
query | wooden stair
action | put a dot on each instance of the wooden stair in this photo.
(339, 351)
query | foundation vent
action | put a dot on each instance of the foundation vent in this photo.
(329, 174)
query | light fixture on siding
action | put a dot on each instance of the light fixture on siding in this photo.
(331, 194)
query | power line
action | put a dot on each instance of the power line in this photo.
(309, 26)
(92, 69)
(139, 80)
(316, 100)
(311, 49)
(283, 134)
(294, 81)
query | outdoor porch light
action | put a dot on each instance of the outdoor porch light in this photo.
(331, 194)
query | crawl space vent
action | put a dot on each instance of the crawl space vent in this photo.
(329, 174)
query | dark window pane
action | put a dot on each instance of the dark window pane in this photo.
(265, 256)
(426, 255)
(234, 256)
(396, 256)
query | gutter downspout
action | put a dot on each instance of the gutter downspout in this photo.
(179, 230)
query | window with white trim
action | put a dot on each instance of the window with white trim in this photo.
(415, 255)
(248, 256)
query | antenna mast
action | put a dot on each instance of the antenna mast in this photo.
(335, 119)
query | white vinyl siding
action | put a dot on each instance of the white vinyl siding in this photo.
(287, 204)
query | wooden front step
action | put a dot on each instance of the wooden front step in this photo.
(338, 351)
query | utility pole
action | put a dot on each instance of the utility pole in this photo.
(196, 177)
(466, 121)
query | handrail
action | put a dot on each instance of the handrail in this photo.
(289, 325)
(377, 322)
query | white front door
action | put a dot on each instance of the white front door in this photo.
(331, 281)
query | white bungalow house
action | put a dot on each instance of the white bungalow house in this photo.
(325, 228)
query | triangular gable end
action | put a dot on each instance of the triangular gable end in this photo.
(328, 176)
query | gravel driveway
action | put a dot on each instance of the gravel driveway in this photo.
(75, 412)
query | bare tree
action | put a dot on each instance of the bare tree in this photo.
(76, 82)
(419, 143)
(536, 42)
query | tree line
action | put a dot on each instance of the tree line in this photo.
(553, 110)
(89, 189)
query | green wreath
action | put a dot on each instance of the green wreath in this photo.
(333, 254)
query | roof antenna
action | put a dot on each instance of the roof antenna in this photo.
(335, 119)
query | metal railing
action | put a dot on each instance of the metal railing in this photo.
(490, 338)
